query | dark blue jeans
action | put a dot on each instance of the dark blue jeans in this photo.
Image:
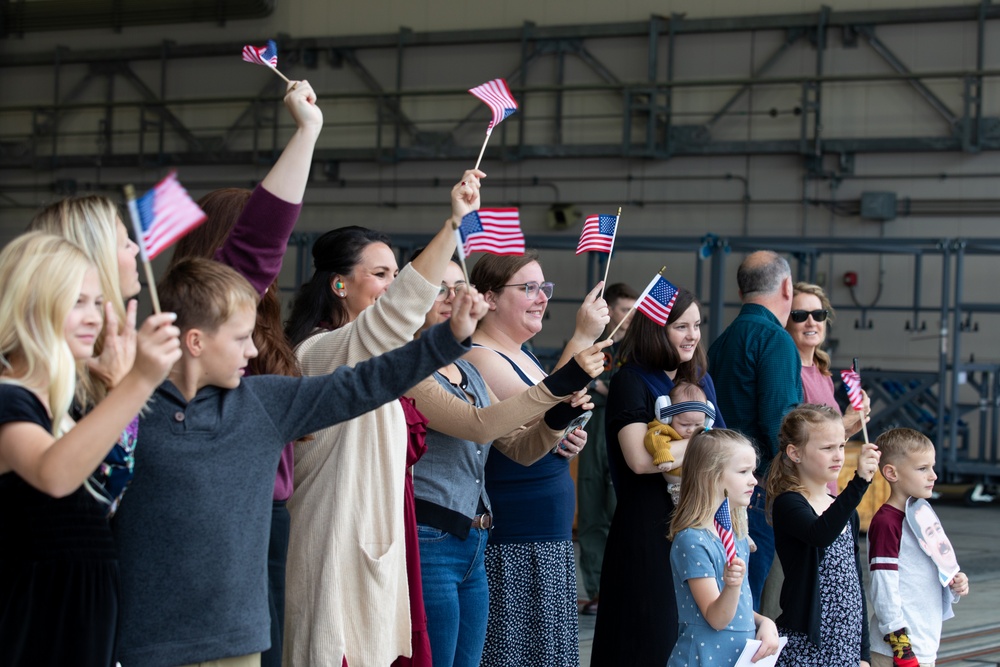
(277, 555)
(763, 535)
(456, 597)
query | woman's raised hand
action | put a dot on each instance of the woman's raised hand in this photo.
(301, 102)
(466, 311)
(591, 360)
(593, 315)
(118, 349)
(158, 348)
(465, 196)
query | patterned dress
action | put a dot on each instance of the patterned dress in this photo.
(840, 626)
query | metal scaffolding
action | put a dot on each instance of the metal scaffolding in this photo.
(650, 125)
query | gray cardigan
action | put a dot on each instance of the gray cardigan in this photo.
(193, 536)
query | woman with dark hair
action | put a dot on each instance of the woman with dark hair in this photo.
(530, 563)
(637, 618)
(347, 596)
(353, 267)
(249, 231)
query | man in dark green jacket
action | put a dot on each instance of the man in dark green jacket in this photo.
(757, 374)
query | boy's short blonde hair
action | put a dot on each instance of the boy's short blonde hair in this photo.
(204, 293)
(897, 443)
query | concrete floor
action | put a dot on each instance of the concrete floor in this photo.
(972, 638)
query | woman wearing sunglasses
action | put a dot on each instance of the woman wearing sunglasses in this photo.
(811, 310)
(530, 565)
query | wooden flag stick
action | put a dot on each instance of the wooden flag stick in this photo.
(864, 417)
(133, 212)
(278, 72)
(615, 330)
(607, 267)
(483, 149)
(460, 249)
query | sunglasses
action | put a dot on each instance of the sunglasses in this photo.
(800, 316)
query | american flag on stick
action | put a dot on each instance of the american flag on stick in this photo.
(266, 55)
(497, 96)
(598, 234)
(852, 381)
(166, 213)
(657, 300)
(160, 217)
(493, 230)
(724, 527)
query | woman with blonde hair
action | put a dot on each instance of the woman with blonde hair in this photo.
(59, 578)
(811, 311)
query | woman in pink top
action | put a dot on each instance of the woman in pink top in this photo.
(811, 310)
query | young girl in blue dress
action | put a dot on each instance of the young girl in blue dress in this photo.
(714, 607)
(816, 537)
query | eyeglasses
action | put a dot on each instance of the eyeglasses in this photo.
(531, 289)
(458, 289)
(800, 316)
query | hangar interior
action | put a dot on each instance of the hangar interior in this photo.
(860, 140)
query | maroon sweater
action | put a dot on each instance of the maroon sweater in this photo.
(256, 247)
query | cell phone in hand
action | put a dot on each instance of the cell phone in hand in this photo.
(578, 422)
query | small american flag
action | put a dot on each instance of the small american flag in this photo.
(657, 300)
(166, 213)
(724, 527)
(853, 383)
(498, 98)
(598, 234)
(493, 230)
(262, 55)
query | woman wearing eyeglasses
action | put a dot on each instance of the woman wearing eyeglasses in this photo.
(530, 564)
(811, 310)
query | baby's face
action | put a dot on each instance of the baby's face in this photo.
(686, 423)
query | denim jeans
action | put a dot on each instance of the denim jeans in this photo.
(277, 555)
(763, 535)
(456, 597)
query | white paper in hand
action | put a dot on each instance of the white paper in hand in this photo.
(751, 649)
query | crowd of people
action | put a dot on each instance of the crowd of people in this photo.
(384, 478)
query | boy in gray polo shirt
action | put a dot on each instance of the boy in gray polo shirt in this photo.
(193, 536)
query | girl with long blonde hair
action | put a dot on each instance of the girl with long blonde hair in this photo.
(58, 563)
(715, 609)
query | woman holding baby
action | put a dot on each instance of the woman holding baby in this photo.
(637, 618)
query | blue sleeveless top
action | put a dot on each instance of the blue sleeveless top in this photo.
(532, 503)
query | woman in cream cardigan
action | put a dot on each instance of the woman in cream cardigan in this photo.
(346, 599)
